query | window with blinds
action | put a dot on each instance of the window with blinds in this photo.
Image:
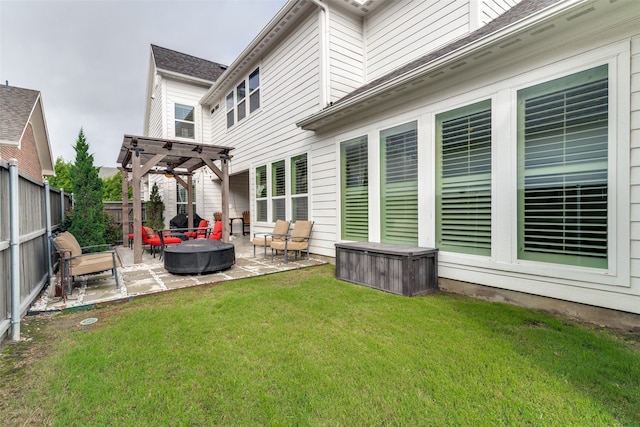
(463, 180)
(299, 184)
(399, 184)
(278, 190)
(563, 167)
(354, 158)
(261, 193)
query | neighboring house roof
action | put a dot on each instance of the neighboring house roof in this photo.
(181, 63)
(18, 108)
(527, 11)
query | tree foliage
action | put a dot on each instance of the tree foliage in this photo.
(155, 209)
(87, 221)
(62, 180)
(113, 188)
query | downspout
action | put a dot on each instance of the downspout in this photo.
(325, 81)
(14, 238)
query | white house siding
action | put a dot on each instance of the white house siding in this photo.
(178, 92)
(405, 30)
(289, 91)
(346, 54)
(491, 9)
(545, 59)
(155, 116)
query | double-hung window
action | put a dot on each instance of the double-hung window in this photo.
(354, 158)
(463, 179)
(282, 190)
(184, 121)
(182, 200)
(399, 184)
(261, 194)
(563, 170)
(236, 100)
(278, 190)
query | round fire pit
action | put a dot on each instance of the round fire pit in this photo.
(199, 256)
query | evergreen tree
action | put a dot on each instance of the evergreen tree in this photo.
(155, 209)
(87, 221)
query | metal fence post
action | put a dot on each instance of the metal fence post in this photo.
(47, 208)
(61, 206)
(14, 213)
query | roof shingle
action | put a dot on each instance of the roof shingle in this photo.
(16, 105)
(170, 60)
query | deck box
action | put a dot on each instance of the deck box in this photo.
(402, 270)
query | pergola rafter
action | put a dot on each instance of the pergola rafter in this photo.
(140, 155)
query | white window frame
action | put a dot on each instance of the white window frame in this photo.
(177, 120)
(236, 103)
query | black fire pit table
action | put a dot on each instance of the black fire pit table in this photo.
(199, 256)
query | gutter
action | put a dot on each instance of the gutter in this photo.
(447, 59)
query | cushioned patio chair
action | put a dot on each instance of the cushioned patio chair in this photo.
(297, 240)
(158, 240)
(279, 232)
(77, 263)
(217, 231)
(200, 233)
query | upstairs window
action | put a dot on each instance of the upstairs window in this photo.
(254, 90)
(184, 121)
(230, 110)
(237, 99)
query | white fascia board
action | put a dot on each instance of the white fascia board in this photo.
(184, 77)
(447, 60)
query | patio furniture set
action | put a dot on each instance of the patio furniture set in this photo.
(280, 239)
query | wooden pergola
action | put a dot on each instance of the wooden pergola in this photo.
(140, 155)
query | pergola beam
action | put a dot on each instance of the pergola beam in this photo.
(140, 155)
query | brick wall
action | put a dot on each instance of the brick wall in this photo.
(27, 155)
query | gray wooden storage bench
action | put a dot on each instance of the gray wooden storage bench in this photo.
(401, 270)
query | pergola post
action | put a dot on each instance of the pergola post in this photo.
(137, 209)
(190, 223)
(225, 199)
(125, 207)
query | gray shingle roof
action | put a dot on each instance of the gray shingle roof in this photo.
(16, 105)
(518, 12)
(170, 60)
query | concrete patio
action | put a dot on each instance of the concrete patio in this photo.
(151, 277)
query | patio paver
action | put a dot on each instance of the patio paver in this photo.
(151, 277)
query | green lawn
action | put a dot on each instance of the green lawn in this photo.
(301, 348)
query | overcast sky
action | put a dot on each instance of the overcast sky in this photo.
(90, 59)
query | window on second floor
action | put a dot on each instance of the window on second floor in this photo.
(184, 121)
(236, 100)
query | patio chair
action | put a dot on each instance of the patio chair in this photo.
(200, 233)
(217, 231)
(279, 232)
(246, 223)
(77, 263)
(158, 240)
(297, 241)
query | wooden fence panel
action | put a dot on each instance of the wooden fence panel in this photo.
(114, 209)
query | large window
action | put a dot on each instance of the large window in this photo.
(463, 179)
(282, 189)
(184, 121)
(562, 170)
(354, 180)
(399, 184)
(299, 190)
(236, 100)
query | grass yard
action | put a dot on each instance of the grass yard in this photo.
(301, 348)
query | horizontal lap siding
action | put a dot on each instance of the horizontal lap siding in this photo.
(491, 9)
(155, 113)
(187, 94)
(346, 54)
(407, 30)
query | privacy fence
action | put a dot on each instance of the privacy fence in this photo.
(29, 211)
